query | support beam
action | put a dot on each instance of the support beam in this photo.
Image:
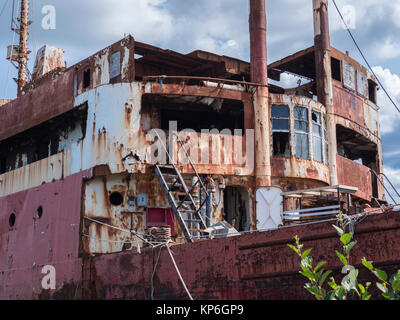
(259, 74)
(23, 52)
(324, 78)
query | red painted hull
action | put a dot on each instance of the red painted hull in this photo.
(252, 266)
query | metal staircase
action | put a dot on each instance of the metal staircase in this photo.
(188, 212)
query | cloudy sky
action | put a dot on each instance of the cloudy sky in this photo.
(221, 26)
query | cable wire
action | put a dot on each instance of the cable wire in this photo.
(365, 59)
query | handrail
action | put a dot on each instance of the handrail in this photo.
(311, 210)
(252, 84)
(191, 163)
(383, 184)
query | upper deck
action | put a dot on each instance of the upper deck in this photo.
(99, 111)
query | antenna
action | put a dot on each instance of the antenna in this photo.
(20, 53)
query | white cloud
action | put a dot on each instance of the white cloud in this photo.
(389, 116)
(146, 20)
(389, 49)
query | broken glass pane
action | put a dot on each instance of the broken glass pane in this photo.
(302, 150)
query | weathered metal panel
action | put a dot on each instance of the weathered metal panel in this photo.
(300, 168)
(52, 239)
(351, 173)
(32, 175)
(348, 104)
(252, 266)
(37, 106)
(349, 80)
(48, 58)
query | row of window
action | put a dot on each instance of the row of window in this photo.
(302, 131)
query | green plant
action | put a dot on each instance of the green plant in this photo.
(317, 275)
(390, 289)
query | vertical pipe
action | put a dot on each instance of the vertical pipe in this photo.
(23, 52)
(324, 78)
(259, 74)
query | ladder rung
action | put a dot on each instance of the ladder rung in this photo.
(170, 176)
(195, 230)
(180, 193)
(187, 211)
(175, 185)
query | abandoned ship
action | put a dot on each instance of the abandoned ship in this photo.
(109, 166)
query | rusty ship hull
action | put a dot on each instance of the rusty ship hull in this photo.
(78, 170)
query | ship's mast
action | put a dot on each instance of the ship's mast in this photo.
(22, 58)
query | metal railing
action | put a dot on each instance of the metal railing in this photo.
(382, 182)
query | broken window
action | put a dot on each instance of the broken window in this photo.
(317, 136)
(326, 156)
(372, 87)
(361, 84)
(358, 148)
(336, 69)
(86, 78)
(349, 76)
(236, 208)
(115, 64)
(301, 132)
(191, 112)
(280, 131)
(44, 140)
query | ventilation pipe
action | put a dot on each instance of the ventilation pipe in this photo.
(324, 78)
(259, 74)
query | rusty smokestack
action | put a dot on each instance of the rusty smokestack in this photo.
(258, 42)
(323, 70)
(259, 74)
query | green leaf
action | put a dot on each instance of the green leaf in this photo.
(306, 253)
(362, 288)
(308, 274)
(381, 274)
(323, 277)
(394, 277)
(332, 283)
(330, 295)
(382, 287)
(313, 289)
(346, 238)
(342, 258)
(319, 265)
(366, 296)
(293, 248)
(367, 264)
(340, 293)
(350, 246)
(340, 231)
(396, 285)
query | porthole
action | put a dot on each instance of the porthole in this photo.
(12, 219)
(116, 198)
